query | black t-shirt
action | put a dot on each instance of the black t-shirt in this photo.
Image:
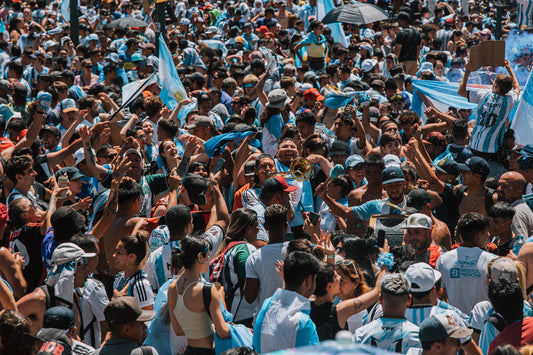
(410, 39)
(448, 210)
(325, 318)
(27, 240)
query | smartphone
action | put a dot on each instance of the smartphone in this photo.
(218, 165)
(381, 239)
(313, 218)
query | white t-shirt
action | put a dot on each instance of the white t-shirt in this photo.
(464, 276)
(93, 302)
(356, 321)
(261, 265)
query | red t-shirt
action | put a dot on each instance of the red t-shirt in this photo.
(517, 334)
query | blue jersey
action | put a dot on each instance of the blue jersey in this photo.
(492, 115)
(417, 315)
(395, 335)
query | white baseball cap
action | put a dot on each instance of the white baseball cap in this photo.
(418, 220)
(422, 277)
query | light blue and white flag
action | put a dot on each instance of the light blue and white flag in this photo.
(336, 100)
(65, 9)
(442, 95)
(522, 122)
(172, 90)
(323, 7)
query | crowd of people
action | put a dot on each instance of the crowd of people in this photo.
(296, 188)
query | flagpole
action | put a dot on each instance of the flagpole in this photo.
(129, 100)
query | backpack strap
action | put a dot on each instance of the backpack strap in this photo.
(488, 199)
(50, 295)
(206, 293)
(497, 321)
(460, 192)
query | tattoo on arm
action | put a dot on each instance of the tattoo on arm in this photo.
(90, 152)
(112, 204)
(357, 304)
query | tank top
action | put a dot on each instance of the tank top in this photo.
(195, 325)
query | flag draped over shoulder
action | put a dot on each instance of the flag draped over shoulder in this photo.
(442, 95)
(172, 90)
(522, 122)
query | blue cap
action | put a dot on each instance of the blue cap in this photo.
(353, 160)
(68, 105)
(113, 57)
(526, 163)
(136, 57)
(392, 174)
(93, 37)
(476, 165)
(45, 99)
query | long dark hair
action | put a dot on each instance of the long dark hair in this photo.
(136, 244)
(240, 220)
(267, 113)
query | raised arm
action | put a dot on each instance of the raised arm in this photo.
(111, 206)
(92, 167)
(362, 142)
(11, 266)
(372, 130)
(52, 205)
(131, 122)
(222, 213)
(106, 100)
(80, 116)
(516, 85)
(462, 87)
(259, 88)
(58, 157)
(335, 207)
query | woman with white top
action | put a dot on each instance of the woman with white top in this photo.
(186, 301)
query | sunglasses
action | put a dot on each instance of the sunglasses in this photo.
(408, 119)
(88, 66)
(248, 86)
(348, 266)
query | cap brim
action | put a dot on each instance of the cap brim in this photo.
(146, 316)
(463, 167)
(320, 98)
(77, 176)
(441, 169)
(71, 109)
(393, 180)
(290, 189)
(410, 210)
(461, 333)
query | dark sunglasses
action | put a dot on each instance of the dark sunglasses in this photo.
(248, 85)
(88, 66)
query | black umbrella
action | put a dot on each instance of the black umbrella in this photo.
(127, 22)
(358, 13)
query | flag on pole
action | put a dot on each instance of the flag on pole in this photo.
(522, 122)
(132, 90)
(323, 7)
(172, 90)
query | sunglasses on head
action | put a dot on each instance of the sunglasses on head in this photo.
(348, 266)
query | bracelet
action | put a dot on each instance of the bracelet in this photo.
(332, 256)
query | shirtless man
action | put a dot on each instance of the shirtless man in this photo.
(474, 172)
(373, 166)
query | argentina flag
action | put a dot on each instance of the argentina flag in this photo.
(522, 123)
(172, 90)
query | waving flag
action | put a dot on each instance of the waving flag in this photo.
(172, 90)
(323, 7)
(522, 123)
(132, 90)
(65, 9)
(336, 100)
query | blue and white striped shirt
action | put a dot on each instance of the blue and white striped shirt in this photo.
(492, 115)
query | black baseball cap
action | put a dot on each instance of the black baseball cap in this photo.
(339, 148)
(416, 200)
(276, 184)
(51, 129)
(476, 165)
(126, 309)
(448, 166)
(59, 317)
(72, 172)
(55, 342)
(196, 186)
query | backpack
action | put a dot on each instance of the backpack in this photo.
(217, 264)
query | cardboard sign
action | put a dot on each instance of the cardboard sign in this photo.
(487, 54)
